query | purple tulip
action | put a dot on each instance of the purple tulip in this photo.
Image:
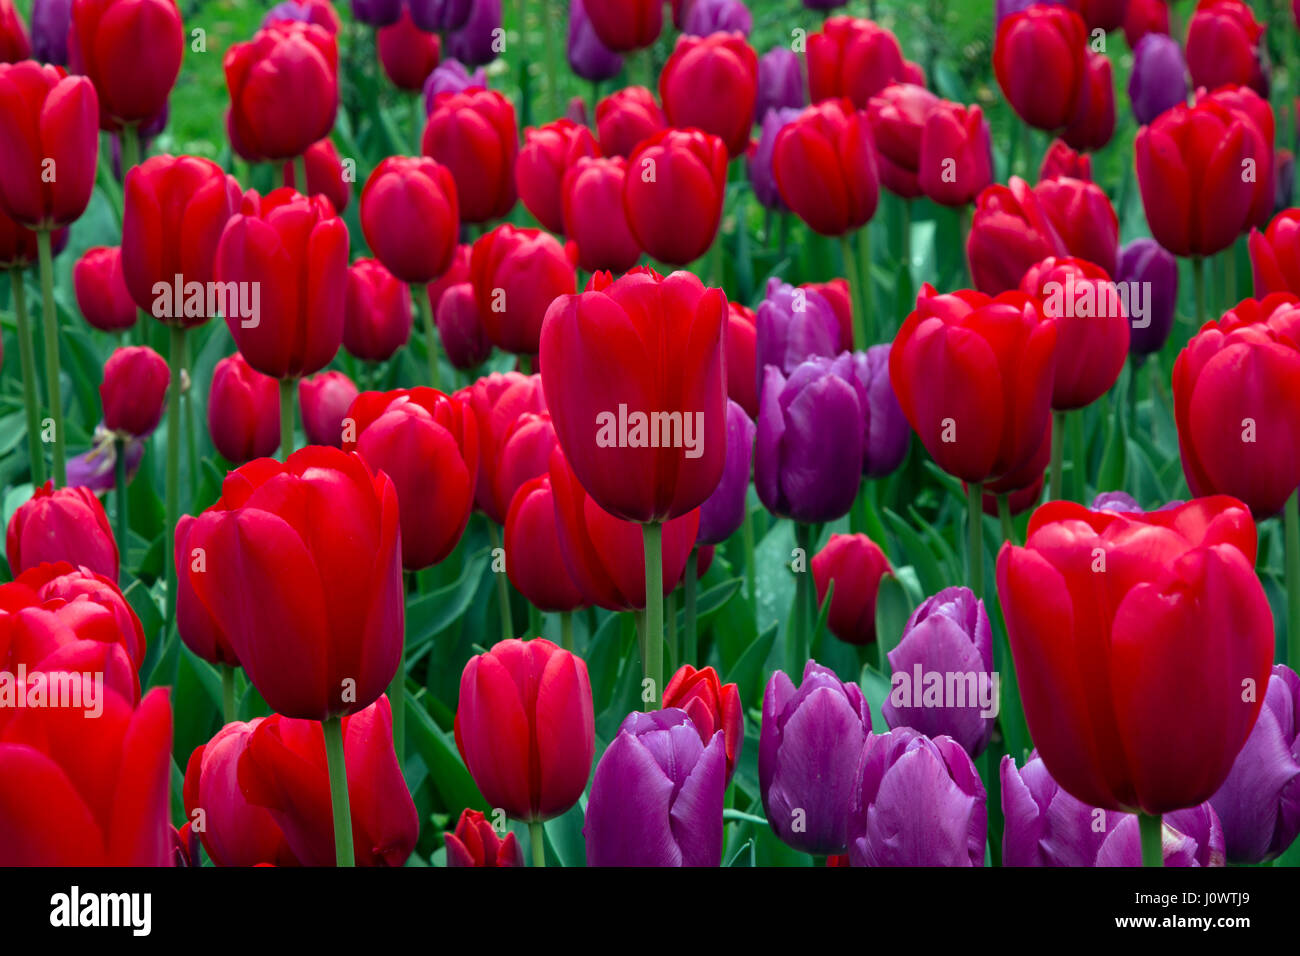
(808, 748)
(917, 802)
(1159, 77)
(475, 43)
(761, 177)
(290, 10)
(886, 434)
(1259, 803)
(1146, 261)
(588, 57)
(724, 511)
(1004, 8)
(94, 469)
(450, 76)
(377, 13)
(704, 17)
(1117, 502)
(656, 798)
(439, 16)
(943, 681)
(1045, 826)
(50, 20)
(794, 325)
(780, 82)
(824, 4)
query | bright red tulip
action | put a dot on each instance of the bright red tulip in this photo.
(742, 350)
(134, 390)
(517, 274)
(498, 401)
(1223, 40)
(897, 116)
(132, 52)
(627, 118)
(1040, 59)
(539, 171)
(712, 706)
(855, 564)
(474, 842)
(1144, 16)
(853, 58)
(711, 83)
(377, 312)
(523, 453)
(324, 401)
(1260, 126)
(1081, 214)
(956, 159)
(672, 196)
(411, 218)
(825, 167)
(473, 135)
(1275, 255)
(1010, 231)
(15, 45)
(592, 193)
(407, 53)
(623, 25)
(100, 287)
(325, 175)
(243, 411)
(65, 524)
(534, 561)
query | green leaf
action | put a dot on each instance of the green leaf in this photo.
(449, 775)
(917, 553)
(747, 675)
(893, 608)
(431, 614)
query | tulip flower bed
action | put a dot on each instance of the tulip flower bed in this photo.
(466, 433)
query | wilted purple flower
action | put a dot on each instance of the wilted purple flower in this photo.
(761, 177)
(794, 325)
(943, 680)
(588, 57)
(1159, 77)
(1118, 502)
(450, 76)
(377, 13)
(1259, 803)
(657, 794)
(916, 801)
(439, 16)
(475, 43)
(1045, 826)
(724, 511)
(780, 82)
(1146, 261)
(808, 751)
(50, 20)
(96, 468)
(704, 17)
(886, 432)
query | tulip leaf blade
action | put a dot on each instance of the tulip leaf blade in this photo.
(447, 773)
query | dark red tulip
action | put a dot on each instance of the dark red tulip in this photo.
(14, 43)
(325, 175)
(460, 327)
(539, 171)
(1145, 16)
(474, 842)
(498, 401)
(473, 135)
(534, 560)
(711, 83)
(324, 401)
(626, 118)
(1104, 15)
(825, 166)
(1223, 40)
(742, 350)
(1093, 123)
(594, 219)
(1040, 59)
(853, 58)
(407, 53)
(243, 411)
(517, 274)
(1023, 487)
(897, 116)
(18, 246)
(672, 196)
(1081, 214)
(1275, 255)
(523, 453)
(712, 706)
(132, 51)
(1260, 125)
(1060, 160)
(411, 217)
(377, 312)
(624, 25)
(456, 273)
(134, 390)
(67, 524)
(956, 160)
(100, 286)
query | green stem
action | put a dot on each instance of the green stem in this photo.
(27, 359)
(1134, 368)
(534, 621)
(286, 417)
(1004, 515)
(552, 32)
(130, 138)
(50, 321)
(430, 329)
(338, 774)
(537, 838)
(855, 292)
(907, 236)
(417, 120)
(864, 296)
(187, 422)
(652, 538)
(670, 623)
(1058, 456)
(566, 630)
(122, 521)
(1078, 456)
(228, 711)
(1230, 276)
(747, 547)
(1150, 827)
(797, 648)
(176, 358)
(975, 518)
(1198, 271)
(300, 173)
(503, 587)
(1292, 521)
(692, 651)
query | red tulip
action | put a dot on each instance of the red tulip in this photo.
(1060, 160)
(539, 171)
(133, 390)
(473, 135)
(592, 193)
(1275, 255)
(825, 167)
(1022, 487)
(284, 90)
(855, 564)
(377, 312)
(324, 401)
(283, 770)
(1104, 15)
(711, 83)
(14, 43)
(897, 116)
(1010, 231)
(534, 561)
(325, 175)
(712, 706)
(407, 53)
(497, 402)
(742, 348)
(853, 58)
(243, 411)
(411, 218)
(623, 25)
(523, 453)
(1223, 39)
(100, 287)
(1133, 637)
(1082, 216)
(974, 377)
(1093, 123)
(298, 565)
(474, 842)
(295, 250)
(49, 144)
(525, 727)
(132, 52)
(460, 327)
(627, 118)
(517, 274)
(1145, 16)
(1040, 58)
(956, 160)
(1260, 126)
(672, 196)
(67, 524)
(18, 246)
(174, 211)
(427, 443)
(94, 790)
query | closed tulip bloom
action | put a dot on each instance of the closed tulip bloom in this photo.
(498, 401)
(95, 788)
(296, 250)
(440, 15)
(625, 25)
(460, 327)
(1185, 154)
(427, 444)
(525, 727)
(1082, 216)
(235, 832)
(995, 358)
(283, 770)
(956, 158)
(657, 795)
(635, 381)
(706, 17)
(885, 434)
(1144, 17)
(1060, 160)
(1040, 58)
(592, 194)
(852, 58)
(1104, 15)
(825, 167)
(284, 90)
(1154, 716)
(1260, 126)
(100, 286)
(407, 52)
(377, 312)
(377, 13)
(47, 123)
(673, 194)
(410, 217)
(133, 390)
(1045, 826)
(949, 636)
(475, 842)
(175, 209)
(477, 42)
(917, 801)
(517, 274)
(473, 135)
(324, 401)
(1146, 261)
(1092, 328)
(534, 560)
(325, 175)
(759, 158)
(781, 83)
(65, 524)
(1259, 803)
(315, 541)
(50, 21)
(897, 115)
(855, 564)
(1159, 78)
(1223, 40)
(1275, 255)
(14, 44)
(723, 512)
(243, 411)
(626, 118)
(712, 706)
(589, 58)
(1023, 486)
(523, 453)
(836, 292)
(131, 50)
(725, 66)
(1093, 123)
(539, 171)
(793, 326)
(808, 752)
(1010, 231)
(742, 344)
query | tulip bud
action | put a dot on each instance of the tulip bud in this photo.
(132, 51)
(407, 52)
(14, 44)
(673, 194)
(377, 312)
(723, 512)
(539, 172)
(1010, 231)
(853, 58)
(588, 57)
(726, 66)
(410, 217)
(742, 344)
(1040, 57)
(712, 705)
(534, 561)
(460, 327)
(780, 82)
(1082, 216)
(133, 390)
(626, 118)
(473, 135)
(1223, 40)
(592, 194)
(855, 564)
(437, 16)
(243, 411)
(517, 274)
(1159, 78)
(64, 524)
(497, 401)
(475, 842)
(626, 25)
(100, 287)
(324, 402)
(828, 144)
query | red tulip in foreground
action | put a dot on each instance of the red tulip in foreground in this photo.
(67, 524)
